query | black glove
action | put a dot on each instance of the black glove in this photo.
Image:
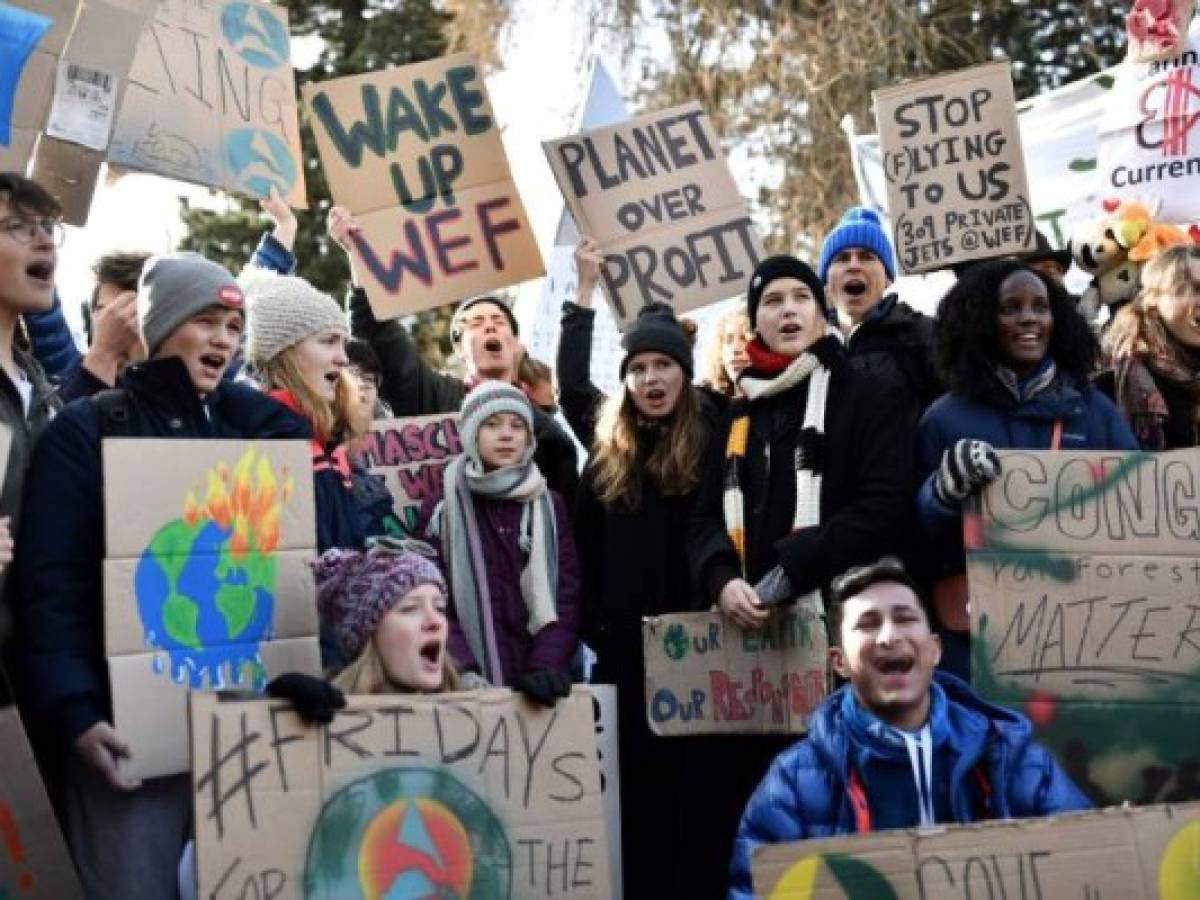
(544, 686)
(966, 467)
(775, 588)
(315, 699)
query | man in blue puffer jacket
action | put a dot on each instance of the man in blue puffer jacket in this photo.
(899, 746)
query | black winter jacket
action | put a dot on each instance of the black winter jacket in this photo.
(59, 566)
(865, 490)
(412, 388)
(896, 341)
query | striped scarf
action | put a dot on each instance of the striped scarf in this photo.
(808, 462)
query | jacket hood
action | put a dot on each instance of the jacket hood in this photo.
(960, 718)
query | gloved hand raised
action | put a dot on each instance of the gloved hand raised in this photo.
(966, 467)
(315, 699)
(544, 686)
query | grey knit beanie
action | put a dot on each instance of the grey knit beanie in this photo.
(174, 287)
(483, 402)
(284, 310)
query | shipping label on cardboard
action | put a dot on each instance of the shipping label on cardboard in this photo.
(956, 185)
(207, 582)
(704, 675)
(415, 154)
(657, 194)
(34, 863)
(1084, 613)
(458, 795)
(1131, 854)
(411, 455)
(212, 100)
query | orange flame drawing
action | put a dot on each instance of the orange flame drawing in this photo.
(248, 501)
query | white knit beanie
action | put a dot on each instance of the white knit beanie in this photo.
(482, 402)
(283, 311)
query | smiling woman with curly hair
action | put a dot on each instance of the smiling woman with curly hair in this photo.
(1016, 356)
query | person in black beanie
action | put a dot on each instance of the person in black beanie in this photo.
(810, 477)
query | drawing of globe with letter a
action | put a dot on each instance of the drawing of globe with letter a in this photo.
(205, 584)
(255, 35)
(259, 160)
(408, 834)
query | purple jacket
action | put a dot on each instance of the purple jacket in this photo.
(499, 530)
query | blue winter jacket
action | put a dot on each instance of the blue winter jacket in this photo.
(804, 793)
(1090, 422)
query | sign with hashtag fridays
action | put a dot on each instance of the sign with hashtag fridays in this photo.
(704, 675)
(457, 795)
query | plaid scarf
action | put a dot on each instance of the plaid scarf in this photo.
(808, 457)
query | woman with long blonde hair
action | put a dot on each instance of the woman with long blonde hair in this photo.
(727, 358)
(1154, 344)
(631, 512)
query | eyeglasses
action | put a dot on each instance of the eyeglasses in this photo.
(25, 228)
(363, 375)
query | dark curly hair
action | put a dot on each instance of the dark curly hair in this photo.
(965, 330)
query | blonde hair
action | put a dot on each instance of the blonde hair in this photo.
(714, 367)
(366, 675)
(342, 417)
(1137, 329)
(674, 466)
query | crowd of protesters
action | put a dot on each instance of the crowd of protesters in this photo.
(824, 451)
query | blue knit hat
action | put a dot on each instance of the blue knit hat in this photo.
(859, 227)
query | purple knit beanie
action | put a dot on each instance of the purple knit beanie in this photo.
(356, 589)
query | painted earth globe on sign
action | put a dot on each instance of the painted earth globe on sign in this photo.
(205, 584)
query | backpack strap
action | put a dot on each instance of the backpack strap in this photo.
(114, 413)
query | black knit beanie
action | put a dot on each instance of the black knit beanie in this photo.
(657, 329)
(782, 266)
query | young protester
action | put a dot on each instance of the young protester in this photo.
(536, 379)
(1016, 356)
(883, 334)
(900, 745)
(504, 540)
(484, 334)
(727, 357)
(1154, 343)
(190, 314)
(30, 234)
(632, 513)
(810, 477)
(366, 367)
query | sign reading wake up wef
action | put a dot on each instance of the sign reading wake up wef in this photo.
(415, 154)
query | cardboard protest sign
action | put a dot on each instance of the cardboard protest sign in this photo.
(30, 43)
(956, 187)
(1149, 142)
(704, 675)
(34, 863)
(657, 195)
(212, 100)
(458, 795)
(206, 581)
(411, 454)
(1134, 854)
(608, 743)
(415, 154)
(1083, 585)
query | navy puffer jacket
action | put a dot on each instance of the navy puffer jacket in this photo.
(804, 794)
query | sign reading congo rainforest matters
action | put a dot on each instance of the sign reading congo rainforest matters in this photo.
(477, 795)
(956, 187)
(1084, 581)
(1123, 854)
(415, 153)
(704, 675)
(657, 195)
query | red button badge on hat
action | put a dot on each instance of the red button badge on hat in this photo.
(231, 295)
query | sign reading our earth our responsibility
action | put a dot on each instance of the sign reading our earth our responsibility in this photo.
(411, 455)
(207, 583)
(1084, 581)
(657, 195)
(956, 186)
(1124, 853)
(479, 795)
(704, 675)
(415, 154)
(212, 100)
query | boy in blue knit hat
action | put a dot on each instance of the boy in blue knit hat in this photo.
(882, 334)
